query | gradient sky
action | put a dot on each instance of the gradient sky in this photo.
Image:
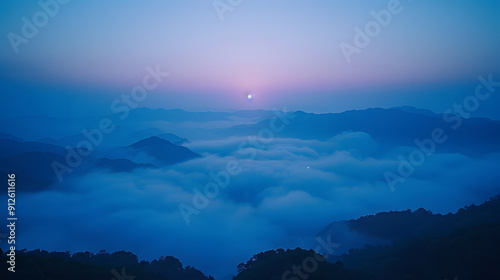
(285, 52)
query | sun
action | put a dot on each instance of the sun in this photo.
(250, 96)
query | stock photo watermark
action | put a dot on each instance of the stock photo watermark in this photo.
(221, 179)
(454, 117)
(122, 276)
(94, 137)
(11, 221)
(372, 29)
(30, 28)
(223, 6)
(309, 265)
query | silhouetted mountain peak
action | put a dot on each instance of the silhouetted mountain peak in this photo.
(153, 141)
(163, 151)
(172, 138)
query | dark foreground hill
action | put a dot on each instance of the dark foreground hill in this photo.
(387, 227)
(468, 253)
(425, 246)
(294, 264)
(464, 245)
(121, 265)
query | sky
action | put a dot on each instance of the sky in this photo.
(427, 55)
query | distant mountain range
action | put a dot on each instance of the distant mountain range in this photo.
(32, 161)
(390, 128)
(139, 143)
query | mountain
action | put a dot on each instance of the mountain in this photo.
(399, 126)
(150, 132)
(294, 264)
(33, 169)
(161, 150)
(468, 253)
(253, 114)
(30, 161)
(388, 127)
(122, 135)
(388, 227)
(9, 148)
(138, 124)
(40, 264)
(174, 115)
(39, 127)
(463, 245)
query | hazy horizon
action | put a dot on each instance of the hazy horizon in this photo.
(426, 55)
